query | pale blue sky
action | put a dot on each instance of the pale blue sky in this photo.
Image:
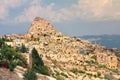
(72, 17)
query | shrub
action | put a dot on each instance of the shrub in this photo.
(57, 73)
(95, 76)
(98, 74)
(10, 58)
(94, 57)
(107, 77)
(65, 75)
(58, 78)
(12, 65)
(89, 74)
(30, 75)
(115, 71)
(74, 70)
(80, 71)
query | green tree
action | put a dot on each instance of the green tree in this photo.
(38, 64)
(12, 65)
(11, 57)
(30, 75)
(1, 42)
(36, 59)
(8, 52)
(23, 49)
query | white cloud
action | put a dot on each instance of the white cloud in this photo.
(3, 13)
(5, 5)
(84, 9)
(36, 9)
(98, 9)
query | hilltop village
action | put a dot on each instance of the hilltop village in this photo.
(68, 58)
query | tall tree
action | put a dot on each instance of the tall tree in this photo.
(23, 49)
(38, 64)
(36, 59)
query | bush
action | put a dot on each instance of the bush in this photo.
(98, 74)
(115, 71)
(65, 75)
(10, 58)
(107, 77)
(58, 78)
(102, 66)
(12, 65)
(95, 76)
(74, 70)
(81, 71)
(57, 73)
(94, 57)
(89, 74)
(30, 75)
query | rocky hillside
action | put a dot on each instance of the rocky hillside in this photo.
(69, 58)
(5, 74)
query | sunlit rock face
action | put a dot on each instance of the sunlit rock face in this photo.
(41, 26)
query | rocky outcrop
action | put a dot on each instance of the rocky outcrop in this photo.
(41, 26)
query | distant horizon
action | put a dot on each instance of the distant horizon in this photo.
(21, 33)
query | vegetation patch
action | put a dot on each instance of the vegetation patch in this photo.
(65, 75)
(30, 75)
(9, 58)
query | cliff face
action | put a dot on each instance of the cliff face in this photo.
(41, 26)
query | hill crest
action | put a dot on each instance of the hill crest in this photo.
(41, 26)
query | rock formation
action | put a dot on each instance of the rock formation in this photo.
(41, 26)
(69, 58)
